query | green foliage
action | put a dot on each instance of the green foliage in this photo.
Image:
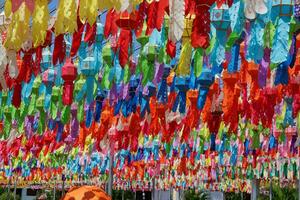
(9, 195)
(49, 194)
(286, 193)
(236, 196)
(193, 195)
(117, 195)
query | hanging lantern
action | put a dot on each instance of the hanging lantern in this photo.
(46, 62)
(49, 76)
(253, 72)
(271, 91)
(143, 40)
(297, 9)
(230, 77)
(201, 25)
(69, 74)
(42, 114)
(99, 103)
(151, 53)
(277, 133)
(281, 13)
(181, 83)
(88, 69)
(291, 131)
(283, 7)
(297, 63)
(127, 21)
(188, 25)
(205, 80)
(48, 79)
(151, 89)
(167, 22)
(220, 18)
(192, 96)
(88, 66)
(106, 55)
(216, 108)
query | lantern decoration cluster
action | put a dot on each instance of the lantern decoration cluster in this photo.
(196, 94)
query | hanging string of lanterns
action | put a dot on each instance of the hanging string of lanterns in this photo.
(175, 89)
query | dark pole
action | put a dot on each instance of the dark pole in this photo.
(63, 184)
(54, 189)
(298, 188)
(8, 188)
(15, 189)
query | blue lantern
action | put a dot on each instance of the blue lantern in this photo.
(205, 80)
(220, 19)
(282, 10)
(182, 85)
(47, 59)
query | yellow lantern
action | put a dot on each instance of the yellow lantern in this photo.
(188, 25)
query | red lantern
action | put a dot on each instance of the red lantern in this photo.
(230, 102)
(277, 133)
(127, 21)
(69, 74)
(253, 72)
(201, 24)
(297, 63)
(290, 132)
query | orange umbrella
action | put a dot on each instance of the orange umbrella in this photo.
(86, 193)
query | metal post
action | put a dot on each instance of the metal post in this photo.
(159, 195)
(153, 190)
(54, 189)
(122, 194)
(8, 188)
(182, 197)
(255, 189)
(271, 194)
(15, 189)
(176, 195)
(111, 174)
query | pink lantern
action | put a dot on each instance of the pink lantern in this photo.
(69, 74)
